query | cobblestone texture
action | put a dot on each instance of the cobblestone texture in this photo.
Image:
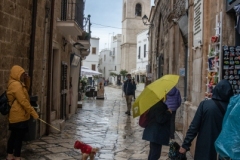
(100, 123)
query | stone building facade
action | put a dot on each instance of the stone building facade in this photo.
(174, 45)
(133, 11)
(42, 38)
(167, 48)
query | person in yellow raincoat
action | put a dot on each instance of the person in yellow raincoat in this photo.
(21, 109)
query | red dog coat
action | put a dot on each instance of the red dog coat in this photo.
(83, 147)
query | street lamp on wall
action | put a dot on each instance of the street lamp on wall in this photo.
(145, 20)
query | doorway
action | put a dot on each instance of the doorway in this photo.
(56, 75)
(64, 67)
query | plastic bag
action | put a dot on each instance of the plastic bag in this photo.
(228, 141)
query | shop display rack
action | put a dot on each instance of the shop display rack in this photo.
(214, 56)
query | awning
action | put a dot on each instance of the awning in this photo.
(84, 67)
(85, 72)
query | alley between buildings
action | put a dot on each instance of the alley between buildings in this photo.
(100, 123)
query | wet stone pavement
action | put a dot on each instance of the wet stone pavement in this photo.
(100, 123)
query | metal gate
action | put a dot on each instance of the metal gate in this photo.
(63, 90)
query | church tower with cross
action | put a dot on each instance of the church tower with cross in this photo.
(132, 13)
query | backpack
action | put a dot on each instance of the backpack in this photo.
(4, 106)
(143, 120)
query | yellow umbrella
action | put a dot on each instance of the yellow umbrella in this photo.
(153, 93)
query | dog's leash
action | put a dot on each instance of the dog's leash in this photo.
(49, 124)
(53, 127)
(97, 149)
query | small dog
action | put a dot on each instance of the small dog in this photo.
(87, 150)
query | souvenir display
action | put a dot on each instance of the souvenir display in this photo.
(213, 70)
(231, 66)
(213, 62)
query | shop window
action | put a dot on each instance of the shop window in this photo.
(230, 1)
(237, 33)
(138, 10)
(237, 41)
(93, 50)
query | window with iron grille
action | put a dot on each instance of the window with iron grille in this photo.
(72, 10)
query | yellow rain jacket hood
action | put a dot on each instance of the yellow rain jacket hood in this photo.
(18, 97)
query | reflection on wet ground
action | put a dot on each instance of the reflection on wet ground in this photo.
(100, 123)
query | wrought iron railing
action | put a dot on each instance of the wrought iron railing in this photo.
(73, 10)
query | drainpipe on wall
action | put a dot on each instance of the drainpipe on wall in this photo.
(32, 43)
(49, 83)
(44, 64)
(183, 26)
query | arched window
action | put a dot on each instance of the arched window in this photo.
(138, 10)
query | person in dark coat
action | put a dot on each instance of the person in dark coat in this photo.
(134, 83)
(173, 101)
(129, 89)
(157, 131)
(207, 123)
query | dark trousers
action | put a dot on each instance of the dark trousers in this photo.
(172, 125)
(155, 151)
(14, 145)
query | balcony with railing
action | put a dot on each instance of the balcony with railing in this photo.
(71, 20)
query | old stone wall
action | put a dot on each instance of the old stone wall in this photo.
(15, 31)
(198, 57)
(15, 41)
(168, 41)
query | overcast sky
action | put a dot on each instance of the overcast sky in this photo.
(106, 17)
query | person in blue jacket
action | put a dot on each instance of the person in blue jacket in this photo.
(129, 89)
(157, 131)
(173, 101)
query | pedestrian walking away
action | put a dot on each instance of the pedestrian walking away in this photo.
(157, 131)
(173, 101)
(207, 123)
(123, 94)
(129, 89)
(21, 109)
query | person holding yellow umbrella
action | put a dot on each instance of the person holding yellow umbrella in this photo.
(157, 131)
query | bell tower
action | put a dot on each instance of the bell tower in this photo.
(132, 13)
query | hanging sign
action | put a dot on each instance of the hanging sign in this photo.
(197, 23)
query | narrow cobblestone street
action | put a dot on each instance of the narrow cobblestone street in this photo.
(100, 123)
